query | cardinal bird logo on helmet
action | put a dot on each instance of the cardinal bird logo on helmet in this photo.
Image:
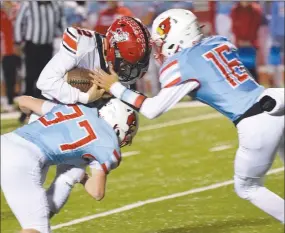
(131, 121)
(119, 36)
(164, 27)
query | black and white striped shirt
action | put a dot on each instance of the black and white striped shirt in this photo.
(39, 22)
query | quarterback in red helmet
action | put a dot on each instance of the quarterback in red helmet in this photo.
(126, 46)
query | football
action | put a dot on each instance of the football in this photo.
(78, 78)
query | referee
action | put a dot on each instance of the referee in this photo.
(36, 26)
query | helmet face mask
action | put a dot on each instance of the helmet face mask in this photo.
(129, 73)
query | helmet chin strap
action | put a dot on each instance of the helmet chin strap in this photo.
(118, 58)
(104, 47)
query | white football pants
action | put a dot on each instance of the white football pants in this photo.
(23, 171)
(260, 138)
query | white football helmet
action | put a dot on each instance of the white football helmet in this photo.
(173, 30)
(122, 118)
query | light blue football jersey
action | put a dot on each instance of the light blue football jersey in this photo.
(224, 82)
(75, 135)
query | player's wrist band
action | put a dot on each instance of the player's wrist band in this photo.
(117, 89)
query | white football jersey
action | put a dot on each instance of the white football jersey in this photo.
(79, 48)
(83, 45)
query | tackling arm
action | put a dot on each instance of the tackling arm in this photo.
(29, 104)
(52, 84)
(95, 185)
(155, 106)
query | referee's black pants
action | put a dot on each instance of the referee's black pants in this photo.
(36, 58)
(10, 64)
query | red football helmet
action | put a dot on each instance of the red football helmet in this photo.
(128, 48)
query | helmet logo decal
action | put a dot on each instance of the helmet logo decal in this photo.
(119, 36)
(136, 30)
(164, 27)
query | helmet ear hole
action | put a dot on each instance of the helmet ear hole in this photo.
(118, 133)
(171, 46)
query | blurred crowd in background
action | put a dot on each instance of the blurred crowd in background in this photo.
(31, 33)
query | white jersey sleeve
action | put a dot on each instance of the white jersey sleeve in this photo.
(155, 106)
(51, 81)
(173, 90)
(107, 158)
(166, 99)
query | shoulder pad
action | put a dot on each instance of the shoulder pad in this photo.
(77, 41)
(70, 40)
(169, 74)
(215, 39)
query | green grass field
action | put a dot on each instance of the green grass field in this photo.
(170, 159)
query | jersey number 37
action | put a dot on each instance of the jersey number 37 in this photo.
(60, 117)
(231, 69)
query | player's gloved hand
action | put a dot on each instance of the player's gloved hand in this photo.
(104, 80)
(95, 93)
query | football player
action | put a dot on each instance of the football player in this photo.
(209, 69)
(69, 134)
(126, 46)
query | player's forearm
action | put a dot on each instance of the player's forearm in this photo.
(64, 93)
(95, 185)
(29, 104)
(52, 84)
(155, 106)
(149, 107)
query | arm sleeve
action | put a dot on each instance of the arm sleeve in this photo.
(19, 22)
(52, 84)
(155, 106)
(107, 159)
(95, 165)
